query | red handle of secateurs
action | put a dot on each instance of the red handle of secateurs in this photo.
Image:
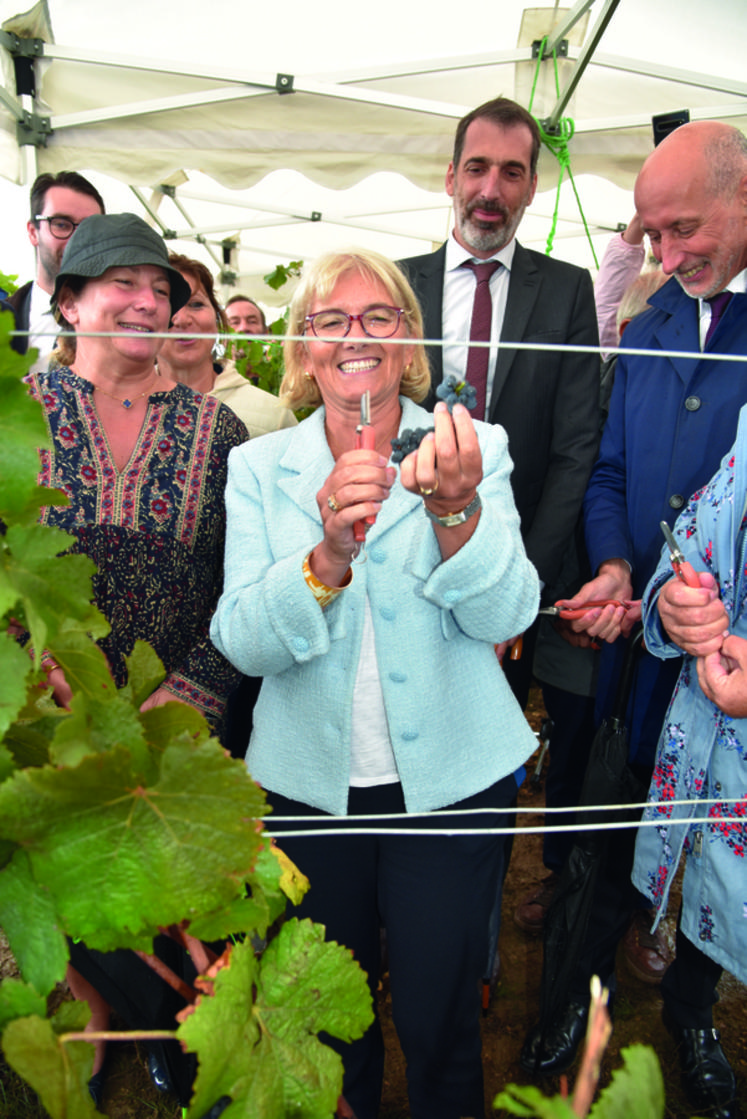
(687, 573)
(572, 612)
(365, 438)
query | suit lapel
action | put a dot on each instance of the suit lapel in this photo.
(523, 289)
(306, 463)
(429, 287)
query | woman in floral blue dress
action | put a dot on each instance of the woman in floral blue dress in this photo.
(702, 753)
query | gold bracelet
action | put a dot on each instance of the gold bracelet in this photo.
(321, 592)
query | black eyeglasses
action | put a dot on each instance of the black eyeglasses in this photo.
(379, 321)
(61, 228)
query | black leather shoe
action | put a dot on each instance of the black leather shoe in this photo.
(96, 1087)
(158, 1074)
(707, 1077)
(556, 1051)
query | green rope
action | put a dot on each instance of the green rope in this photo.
(557, 144)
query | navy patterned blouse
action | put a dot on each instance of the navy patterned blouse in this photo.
(155, 530)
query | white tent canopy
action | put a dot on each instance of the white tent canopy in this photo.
(292, 129)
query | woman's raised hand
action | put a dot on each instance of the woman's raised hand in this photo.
(446, 469)
(359, 483)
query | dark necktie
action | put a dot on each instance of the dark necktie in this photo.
(718, 304)
(479, 331)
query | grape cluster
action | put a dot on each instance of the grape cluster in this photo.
(409, 441)
(454, 391)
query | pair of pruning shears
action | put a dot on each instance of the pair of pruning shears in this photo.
(682, 569)
(569, 613)
(365, 437)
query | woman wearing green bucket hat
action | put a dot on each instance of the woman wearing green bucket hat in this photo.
(143, 461)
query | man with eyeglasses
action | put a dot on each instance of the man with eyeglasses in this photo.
(59, 203)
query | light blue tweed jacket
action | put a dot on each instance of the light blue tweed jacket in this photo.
(454, 724)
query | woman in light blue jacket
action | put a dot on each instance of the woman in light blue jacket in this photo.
(382, 691)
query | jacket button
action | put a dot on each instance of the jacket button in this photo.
(676, 501)
(693, 403)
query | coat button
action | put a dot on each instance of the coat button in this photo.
(676, 501)
(693, 403)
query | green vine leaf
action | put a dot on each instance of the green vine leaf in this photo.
(267, 1058)
(91, 728)
(528, 1101)
(152, 855)
(145, 673)
(14, 664)
(51, 592)
(24, 430)
(636, 1089)
(29, 919)
(57, 1071)
(19, 1000)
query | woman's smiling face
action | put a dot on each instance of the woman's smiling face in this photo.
(197, 316)
(346, 367)
(131, 302)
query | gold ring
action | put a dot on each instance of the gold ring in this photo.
(333, 503)
(424, 492)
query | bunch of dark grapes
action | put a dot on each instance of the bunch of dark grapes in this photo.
(409, 441)
(454, 391)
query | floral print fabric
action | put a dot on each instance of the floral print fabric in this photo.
(155, 530)
(701, 752)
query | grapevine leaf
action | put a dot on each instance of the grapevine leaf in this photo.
(19, 1000)
(14, 666)
(24, 430)
(93, 726)
(86, 668)
(152, 855)
(28, 741)
(304, 985)
(278, 879)
(144, 673)
(7, 763)
(171, 721)
(528, 1101)
(50, 591)
(57, 1071)
(28, 917)
(636, 1089)
(245, 915)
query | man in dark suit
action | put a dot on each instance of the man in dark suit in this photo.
(672, 417)
(59, 203)
(548, 402)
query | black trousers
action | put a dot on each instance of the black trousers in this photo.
(689, 986)
(572, 735)
(433, 895)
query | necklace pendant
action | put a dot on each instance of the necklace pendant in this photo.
(126, 403)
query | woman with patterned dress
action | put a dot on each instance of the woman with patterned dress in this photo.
(143, 461)
(701, 757)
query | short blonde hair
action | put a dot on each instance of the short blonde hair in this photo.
(299, 391)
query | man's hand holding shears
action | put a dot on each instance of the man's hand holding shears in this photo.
(601, 610)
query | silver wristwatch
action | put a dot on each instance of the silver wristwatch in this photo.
(449, 520)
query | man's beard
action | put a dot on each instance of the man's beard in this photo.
(485, 240)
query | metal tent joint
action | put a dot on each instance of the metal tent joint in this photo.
(284, 83)
(34, 130)
(561, 49)
(21, 48)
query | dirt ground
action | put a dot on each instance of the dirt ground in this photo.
(513, 1010)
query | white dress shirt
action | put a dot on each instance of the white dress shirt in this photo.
(458, 297)
(43, 329)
